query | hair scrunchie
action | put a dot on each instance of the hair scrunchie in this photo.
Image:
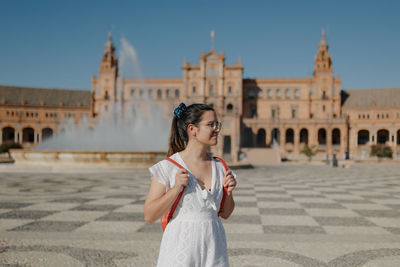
(178, 111)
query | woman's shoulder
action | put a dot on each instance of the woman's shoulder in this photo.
(164, 171)
(165, 164)
(222, 165)
(220, 162)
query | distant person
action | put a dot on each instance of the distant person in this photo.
(195, 236)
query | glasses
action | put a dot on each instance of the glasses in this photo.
(214, 125)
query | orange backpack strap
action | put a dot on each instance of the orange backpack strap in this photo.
(174, 162)
(172, 210)
(223, 163)
(221, 207)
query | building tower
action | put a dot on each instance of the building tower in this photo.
(325, 93)
(104, 88)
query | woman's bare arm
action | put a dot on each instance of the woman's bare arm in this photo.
(158, 201)
(229, 206)
(230, 183)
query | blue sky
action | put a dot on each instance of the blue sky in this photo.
(59, 44)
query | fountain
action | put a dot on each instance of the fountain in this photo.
(125, 135)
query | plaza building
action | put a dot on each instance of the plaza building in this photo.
(264, 119)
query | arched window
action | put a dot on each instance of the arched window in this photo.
(212, 89)
(261, 138)
(269, 93)
(296, 94)
(227, 145)
(278, 93)
(260, 94)
(276, 136)
(253, 110)
(322, 136)
(398, 137)
(176, 93)
(8, 134)
(304, 136)
(47, 133)
(229, 90)
(247, 139)
(150, 92)
(336, 137)
(287, 94)
(167, 93)
(289, 136)
(132, 93)
(229, 108)
(194, 91)
(159, 94)
(28, 135)
(383, 136)
(362, 137)
(251, 94)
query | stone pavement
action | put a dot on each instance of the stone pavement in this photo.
(286, 215)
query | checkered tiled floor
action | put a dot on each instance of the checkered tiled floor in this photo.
(269, 200)
(285, 200)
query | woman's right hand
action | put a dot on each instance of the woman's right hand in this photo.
(181, 179)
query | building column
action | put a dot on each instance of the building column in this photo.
(202, 78)
(343, 138)
(329, 141)
(267, 136)
(18, 136)
(312, 140)
(254, 136)
(375, 134)
(370, 137)
(221, 81)
(296, 141)
(39, 137)
(282, 141)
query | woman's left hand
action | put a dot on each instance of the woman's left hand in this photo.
(229, 181)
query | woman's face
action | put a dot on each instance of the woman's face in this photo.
(207, 133)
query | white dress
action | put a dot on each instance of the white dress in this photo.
(195, 236)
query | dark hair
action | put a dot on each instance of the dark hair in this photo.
(191, 115)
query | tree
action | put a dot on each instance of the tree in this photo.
(381, 151)
(309, 151)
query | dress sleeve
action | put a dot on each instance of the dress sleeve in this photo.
(161, 174)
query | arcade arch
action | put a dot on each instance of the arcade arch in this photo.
(322, 136)
(8, 134)
(336, 136)
(382, 136)
(261, 134)
(28, 135)
(304, 136)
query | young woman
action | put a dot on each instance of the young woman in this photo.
(195, 236)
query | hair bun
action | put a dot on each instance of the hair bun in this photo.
(179, 111)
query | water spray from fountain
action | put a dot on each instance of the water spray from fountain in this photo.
(127, 125)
